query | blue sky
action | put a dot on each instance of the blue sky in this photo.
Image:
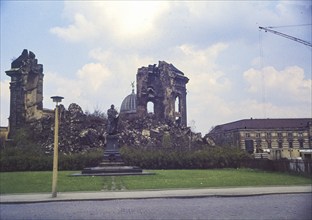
(91, 50)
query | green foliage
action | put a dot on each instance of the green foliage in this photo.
(15, 159)
(80, 161)
(25, 162)
(166, 140)
(24, 142)
(174, 159)
(24, 154)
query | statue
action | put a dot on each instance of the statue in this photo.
(132, 85)
(112, 116)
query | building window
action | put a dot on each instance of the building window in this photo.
(301, 143)
(290, 144)
(268, 135)
(280, 144)
(177, 104)
(247, 135)
(280, 135)
(150, 107)
(290, 135)
(300, 134)
(249, 146)
(258, 143)
(269, 144)
(258, 135)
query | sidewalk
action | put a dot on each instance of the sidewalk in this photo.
(173, 193)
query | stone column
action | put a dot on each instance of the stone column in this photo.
(183, 109)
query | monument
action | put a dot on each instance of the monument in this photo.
(111, 153)
(112, 164)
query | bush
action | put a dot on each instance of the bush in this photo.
(17, 160)
(80, 161)
(24, 154)
(25, 163)
(174, 159)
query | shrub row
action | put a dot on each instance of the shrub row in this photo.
(19, 160)
(200, 159)
(27, 162)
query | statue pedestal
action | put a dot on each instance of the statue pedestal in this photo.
(111, 153)
(112, 164)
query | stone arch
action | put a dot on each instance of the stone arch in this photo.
(177, 104)
(150, 107)
(177, 109)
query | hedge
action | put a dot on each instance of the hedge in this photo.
(17, 159)
(27, 162)
(174, 159)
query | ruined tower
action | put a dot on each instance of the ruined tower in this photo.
(26, 89)
(164, 88)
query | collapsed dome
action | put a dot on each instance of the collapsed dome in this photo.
(128, 105)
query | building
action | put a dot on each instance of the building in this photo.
(163, 87)
(26, 90)
(280, 138)
(128, 105)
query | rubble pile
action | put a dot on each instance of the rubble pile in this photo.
(149, 132)
(80, 132)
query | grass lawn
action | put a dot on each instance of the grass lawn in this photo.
(165, 179)
(31, 182)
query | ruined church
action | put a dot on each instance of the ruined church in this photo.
(162, 86)
(26, 90)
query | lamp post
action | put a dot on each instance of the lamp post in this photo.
(56, 99)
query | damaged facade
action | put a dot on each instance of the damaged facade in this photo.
(26, 89)
(164, 88)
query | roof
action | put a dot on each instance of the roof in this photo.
(128, 105)
(281, 123)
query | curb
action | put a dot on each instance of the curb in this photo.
(153, 194)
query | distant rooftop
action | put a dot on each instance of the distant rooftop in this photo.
(282, 123)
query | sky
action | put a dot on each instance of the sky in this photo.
(91, 51)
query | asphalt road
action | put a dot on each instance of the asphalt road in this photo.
(283, 206)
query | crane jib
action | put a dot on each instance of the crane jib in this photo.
(287, 36)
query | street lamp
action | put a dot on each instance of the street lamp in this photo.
(55, 99)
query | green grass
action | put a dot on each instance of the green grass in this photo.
(212, 178)
(31, 182)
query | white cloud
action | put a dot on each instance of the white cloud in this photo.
(105, 81)
(200, 66)
(82, 29)
(94, 75)
(57, 84)
(289, 83)
(117, 21)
